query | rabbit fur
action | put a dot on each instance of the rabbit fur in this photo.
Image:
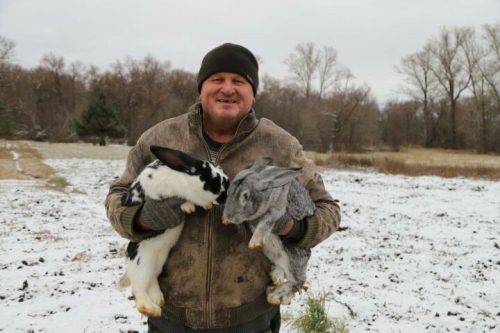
(264, 196)
(173, 174)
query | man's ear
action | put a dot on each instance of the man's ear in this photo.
(253, 100)
(199, 98)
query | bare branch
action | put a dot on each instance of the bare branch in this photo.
(303, 64)
(6, 49)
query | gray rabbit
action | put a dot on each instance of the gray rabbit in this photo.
(266, 197)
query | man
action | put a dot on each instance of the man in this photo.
(212, 281)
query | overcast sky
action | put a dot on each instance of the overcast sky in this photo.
(370, 36)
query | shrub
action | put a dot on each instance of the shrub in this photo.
(314, 318)
(59, 181)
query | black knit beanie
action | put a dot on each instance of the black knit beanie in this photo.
(230, 58)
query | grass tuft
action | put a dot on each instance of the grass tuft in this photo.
(314, 318)
(59, 181)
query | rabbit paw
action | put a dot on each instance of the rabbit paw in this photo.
(257, 241)
(188, 207)
(146, 306)
(282, 294)
(256, 244)
(277, 275)
(155, 294)
(208, 206)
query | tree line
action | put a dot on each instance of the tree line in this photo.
(454, 87)
(450, 96)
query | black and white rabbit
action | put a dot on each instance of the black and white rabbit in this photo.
(262, 195)
(173, 174)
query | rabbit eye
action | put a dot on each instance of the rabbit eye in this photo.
(244, 196)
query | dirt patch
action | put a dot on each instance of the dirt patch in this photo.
(81, 150)
(18, 160)
(23, 160)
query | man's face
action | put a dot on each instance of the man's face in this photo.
(226, 97)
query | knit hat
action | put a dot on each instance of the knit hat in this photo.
(231, 58)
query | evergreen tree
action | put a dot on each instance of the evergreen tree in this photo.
(7, 122)
(100, 119)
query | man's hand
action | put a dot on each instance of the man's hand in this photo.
(283, 225)
(160, 214)
(288, 228)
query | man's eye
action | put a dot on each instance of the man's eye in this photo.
(217, 80)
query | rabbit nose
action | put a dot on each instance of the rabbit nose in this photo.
(225, 220)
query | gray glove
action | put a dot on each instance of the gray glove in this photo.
(281, 223)
(162, 214)
(297, 232)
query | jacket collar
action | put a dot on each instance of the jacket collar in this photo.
(248, 123)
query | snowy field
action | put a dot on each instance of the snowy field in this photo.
(416, 255)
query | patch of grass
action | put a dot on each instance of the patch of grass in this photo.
(59, 181)
(451, 171)
(4, 153)
(314, 318)
(81, 150)
(80, 256)
(286, 316)
(417, 162)
(45, 235)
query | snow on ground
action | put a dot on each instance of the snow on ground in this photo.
(417, 255)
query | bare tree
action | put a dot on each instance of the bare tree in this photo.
(61, 114)
(474, 56)
(303, 65)
(282, 104)
(492, 63)
(6, 49)
(6, 53)
(6, 86)
(339, 112)
(316, 71)
(154, 83)
(493, 38)
(123, 88)
(182, 91)
(359, 122)
(327, 69)
(450, 70)
(491, 72)
(401, 123)
(420, 85)
(78, 91)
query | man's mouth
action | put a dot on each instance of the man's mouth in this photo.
(226, 101)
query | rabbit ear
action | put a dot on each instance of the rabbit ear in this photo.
(174, 159)
(261, 163)
(276, 177)
(243, 174)
(256, 167)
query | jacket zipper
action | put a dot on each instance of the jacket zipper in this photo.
(208, 311)
(209, 319)
(208, 300)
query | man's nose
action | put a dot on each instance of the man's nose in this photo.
(227, 88)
